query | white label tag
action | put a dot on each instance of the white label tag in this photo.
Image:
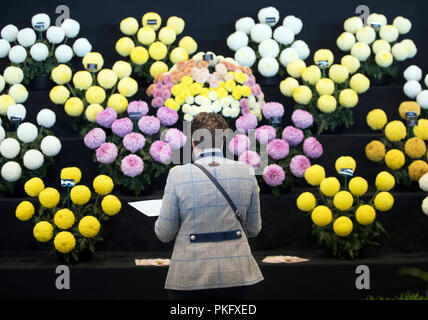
(67, 183)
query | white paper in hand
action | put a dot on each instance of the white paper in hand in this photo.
(150, 208)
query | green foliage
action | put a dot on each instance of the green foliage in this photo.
(371, 69)
(404, 296)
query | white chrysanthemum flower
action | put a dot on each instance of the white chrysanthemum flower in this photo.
(10, 148)
(361, 51)
(425, 206)
(46, 118)
(399, 52)
(412, 72)
(216, 105)
(268, 15)
(268, 66)
(234, 112)
(237, 40)
(261, 32)
(41, 22)
(377, 20)
(227, 112)
(293, 23)
(50, 146)
(188, 117)
(345, 41)
(17, 54)
(422, 99)
(245, 56)
(302, 49)
(423, 182)
(244, 24)
(26, 37)
(27, 132)
(426, 80)
(380, 45)
(63, 53)
(18, 92)
(81, 47)
(4, 48)
(13, 75)
(269, 48)
(389, 33)
(283, 35)
(71, 28)
(55, 35)
(411, 48)
(412, 88)
(17, 111)
(11, 171)
(2, 134)
(402, 24)
(288, 55)
(33, 159)
(39, 51)
(9, 32)
(353, 24)
(2, 85)
(366, 34)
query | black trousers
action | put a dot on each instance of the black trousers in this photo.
(234, 293)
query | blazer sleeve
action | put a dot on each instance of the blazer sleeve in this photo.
(168, 223)
(253, 218)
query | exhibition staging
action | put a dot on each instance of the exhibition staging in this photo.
(114, 184)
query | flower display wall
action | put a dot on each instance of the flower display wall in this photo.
(152, 49)
(289, 150)
(268, 45)
(343, 221)
(26, 151)
(208, 83)
(37, 50)
(413, 88)
(70, 224)
(399, 152)
(328, 91)
(376, 44)
(134, 152)
(87, 92)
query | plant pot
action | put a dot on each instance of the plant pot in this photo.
(83, 256)
(40, 82)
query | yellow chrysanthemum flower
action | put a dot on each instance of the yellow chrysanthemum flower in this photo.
(127, 87)
(311, 74)
(158, 67)
(152, 20)
(146, 35)
(176, 23)
(321, 216)
(376, 119)
(417, 169)
(348, 98)
(395, 159)
(358, 186)
(384, 181)
(178, 55)
(359, 83)
(167, 35)
(61, 74)
(129, 26)
(384, 201)
(338, 73)
(324, 55)
(330, 186)
(80, 194)
(288, 85)
(111, 205)
(107, 78)
(24, 211)
(350, 62)
(92, 111)
(58, 95)
(325, 86)
(93, 61)
(49, 197)
(365, 214)
(343, 226)
(95, 95)
(295, 68)
(343, 200)
(188, 44)
(306, 201)
(415, 148)
(122, 69)
(117, 102)
(314, 175)
(103, 184)
(43, 231)
(421, 130)
(395, 131)
(89, 226)
(74, 107)
(6, 100)
(158, 50)
(139, 55)
(82, 80)
(34, 186)
(345, 162)
(64, 219)
(72, 173)
(302, 95)
(327, 103)
(408, 106)
(124, 46)
(64, 242)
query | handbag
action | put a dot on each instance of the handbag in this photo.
(226, 195)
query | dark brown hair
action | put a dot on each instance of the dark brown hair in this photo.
(212, 122)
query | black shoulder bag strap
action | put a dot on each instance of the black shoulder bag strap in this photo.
(226, 195)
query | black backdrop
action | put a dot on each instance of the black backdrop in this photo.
(210, 22)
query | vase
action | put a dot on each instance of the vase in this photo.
(40, 82)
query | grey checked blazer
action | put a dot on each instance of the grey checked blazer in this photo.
(192, 204)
